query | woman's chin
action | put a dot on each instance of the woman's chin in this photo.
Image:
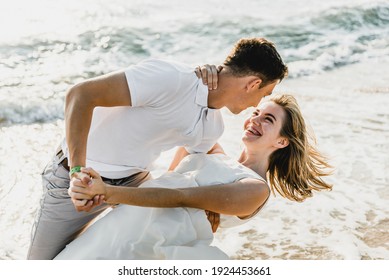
(247, 139)
(249, 136)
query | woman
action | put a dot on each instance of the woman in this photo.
(276, 146)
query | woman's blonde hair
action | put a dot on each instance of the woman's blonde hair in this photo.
(296, 170)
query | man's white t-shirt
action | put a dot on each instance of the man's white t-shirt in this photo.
(169, 109)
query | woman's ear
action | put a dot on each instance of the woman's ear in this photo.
(282, 142)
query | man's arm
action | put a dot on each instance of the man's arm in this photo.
(107, 91)
(216, 149)
(181, 152)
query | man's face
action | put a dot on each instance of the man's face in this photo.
(252, 97)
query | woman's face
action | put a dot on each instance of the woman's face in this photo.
(262, 129)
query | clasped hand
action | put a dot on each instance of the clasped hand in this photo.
(87, 190)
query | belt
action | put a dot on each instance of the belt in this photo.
(65, 165)
(64, 162)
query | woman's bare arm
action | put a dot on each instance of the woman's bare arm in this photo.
(240, 198)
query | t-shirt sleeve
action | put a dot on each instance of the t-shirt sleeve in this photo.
(151, 82)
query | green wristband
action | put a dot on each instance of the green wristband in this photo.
(75, 169)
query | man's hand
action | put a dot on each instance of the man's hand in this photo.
(87, 205)
(214, 219)
(209, 75)
(81, 203)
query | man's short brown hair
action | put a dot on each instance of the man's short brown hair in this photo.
(257, 57)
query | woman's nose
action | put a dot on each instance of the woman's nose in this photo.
(255, 120)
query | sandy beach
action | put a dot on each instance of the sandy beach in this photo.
(347, 109)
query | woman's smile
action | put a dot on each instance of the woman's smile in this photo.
(251, 130)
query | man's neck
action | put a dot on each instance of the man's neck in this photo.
(218, 98)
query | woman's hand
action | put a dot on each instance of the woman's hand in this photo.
(209, 75)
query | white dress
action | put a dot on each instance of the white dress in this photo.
(131, 232)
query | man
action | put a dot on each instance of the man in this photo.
(119, 124)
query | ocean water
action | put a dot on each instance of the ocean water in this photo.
(46, 46)
(337, 52)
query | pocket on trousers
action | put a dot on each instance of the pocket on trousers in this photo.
(61, 173)
(56, 177)
(58, 193)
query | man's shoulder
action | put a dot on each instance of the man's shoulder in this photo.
(158, 63)
(162, 61)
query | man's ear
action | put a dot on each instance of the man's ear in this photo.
(254, 83)
(282, 142)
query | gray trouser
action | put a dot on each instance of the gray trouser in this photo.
(57, 221)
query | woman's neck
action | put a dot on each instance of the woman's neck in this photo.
(256, 162)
